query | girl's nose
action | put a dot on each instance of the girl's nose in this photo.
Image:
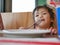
(40, 16)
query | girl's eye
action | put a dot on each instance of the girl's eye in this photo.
(37, 15)
(44, 13)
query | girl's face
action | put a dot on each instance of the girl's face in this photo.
(42, 18)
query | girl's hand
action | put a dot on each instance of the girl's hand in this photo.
(53, 31)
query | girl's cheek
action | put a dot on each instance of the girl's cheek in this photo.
(36, 19)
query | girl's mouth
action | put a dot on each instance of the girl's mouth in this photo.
(42, 19)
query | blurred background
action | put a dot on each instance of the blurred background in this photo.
(20, 5)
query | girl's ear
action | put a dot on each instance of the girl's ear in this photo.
(52, 21)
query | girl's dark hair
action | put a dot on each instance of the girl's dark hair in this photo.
(49, 10)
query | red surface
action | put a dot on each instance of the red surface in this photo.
(29, 42)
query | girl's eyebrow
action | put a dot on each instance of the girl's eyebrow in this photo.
(40, 12)
(43, 11)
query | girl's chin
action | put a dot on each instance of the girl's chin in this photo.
(42, 25)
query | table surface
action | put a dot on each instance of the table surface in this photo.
(33, 39)
(29, 41)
